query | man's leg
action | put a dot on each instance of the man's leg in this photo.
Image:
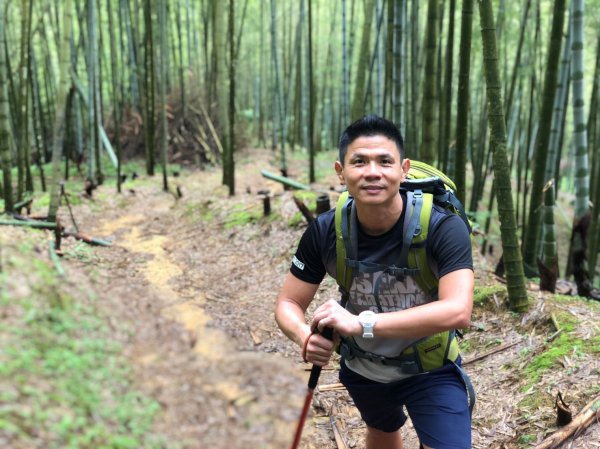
(376, 439)
(439, 410)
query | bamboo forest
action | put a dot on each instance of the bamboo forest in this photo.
(174, 183)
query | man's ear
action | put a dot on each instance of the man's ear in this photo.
(405, 167)
(339, 169)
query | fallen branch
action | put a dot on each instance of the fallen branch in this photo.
(589, 414)
(339, 441)
(492, 351)
(87, 239)
(331, 387)
(305, 212)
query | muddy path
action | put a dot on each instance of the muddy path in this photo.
(196, 294)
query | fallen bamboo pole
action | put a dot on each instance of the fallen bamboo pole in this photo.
(589, 414)
(55, 259)
(52, 225)
(285, 181)
(29, 223)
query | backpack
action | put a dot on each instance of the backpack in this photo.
(424, 187)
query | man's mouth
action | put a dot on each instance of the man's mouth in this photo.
(373, 188)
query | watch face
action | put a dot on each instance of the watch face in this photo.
(368, 317)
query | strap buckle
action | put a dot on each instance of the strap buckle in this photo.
(400, 273)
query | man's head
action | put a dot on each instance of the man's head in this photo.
(370, 125)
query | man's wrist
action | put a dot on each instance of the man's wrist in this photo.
(367, 319)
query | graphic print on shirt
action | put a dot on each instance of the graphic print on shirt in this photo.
(393, 295)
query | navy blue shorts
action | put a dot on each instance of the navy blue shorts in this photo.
(436, 402)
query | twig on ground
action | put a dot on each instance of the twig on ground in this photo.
(331, 387)
(339, 441)
(492, 351)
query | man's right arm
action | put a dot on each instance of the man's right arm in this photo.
(293, 300)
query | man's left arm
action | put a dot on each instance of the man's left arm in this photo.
(452, 310)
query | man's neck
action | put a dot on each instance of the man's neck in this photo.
(380, 218)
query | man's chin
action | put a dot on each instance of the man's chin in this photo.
(373, 200)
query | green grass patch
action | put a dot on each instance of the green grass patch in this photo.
(242, 215)
(527, 439)
(568, 343)
(483, 295)
(199, 212)
(63, 378)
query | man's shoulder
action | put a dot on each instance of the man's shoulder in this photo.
(325, 222)
(439, 215)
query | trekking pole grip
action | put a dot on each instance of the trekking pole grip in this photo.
(315, 371)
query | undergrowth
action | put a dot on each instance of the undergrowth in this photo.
(63, 379)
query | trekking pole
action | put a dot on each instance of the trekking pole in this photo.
(315, 372)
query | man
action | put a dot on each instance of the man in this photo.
(372, 166)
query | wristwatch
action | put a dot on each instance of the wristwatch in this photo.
(367, 319)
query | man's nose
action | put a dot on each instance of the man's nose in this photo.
(373, 169)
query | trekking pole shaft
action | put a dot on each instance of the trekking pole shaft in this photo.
(307, 401)
(315, 372)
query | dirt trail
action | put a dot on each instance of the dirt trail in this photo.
(198, 298)
(202, 344)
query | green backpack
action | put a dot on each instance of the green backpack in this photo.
(425, 186)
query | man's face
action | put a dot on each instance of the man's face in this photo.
(372, 170)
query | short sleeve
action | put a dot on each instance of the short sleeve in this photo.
(450, 245)
(307, 263)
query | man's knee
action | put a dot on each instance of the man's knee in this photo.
(377, 439)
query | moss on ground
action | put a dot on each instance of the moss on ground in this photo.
(62, 373)
(483, 295)
(567, 343)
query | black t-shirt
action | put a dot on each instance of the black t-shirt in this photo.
(448, 249)
(448, 246)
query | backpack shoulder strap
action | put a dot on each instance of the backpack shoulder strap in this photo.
(416, 229)
(343, 273)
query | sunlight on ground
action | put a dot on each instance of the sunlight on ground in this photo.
(159, 271)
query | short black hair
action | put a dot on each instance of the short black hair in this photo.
(370, 125)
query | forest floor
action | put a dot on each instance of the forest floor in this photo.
(194, 280)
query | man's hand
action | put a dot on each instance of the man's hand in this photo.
(331, 314)
(319, 349)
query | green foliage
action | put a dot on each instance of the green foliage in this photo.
(527, 439)
(568, 343)
(62, 375)
(482, 295)
(82, 252)
(241, 216)
(202, 212)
